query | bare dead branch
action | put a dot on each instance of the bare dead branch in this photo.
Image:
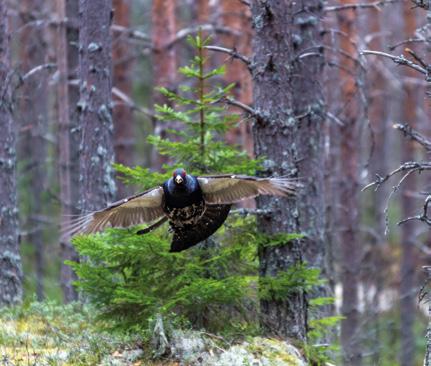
(185, 32)
(424, 4)
(416, 57)
(376, 5)
(401, 60)
(422, 216)
(131, 33)
(405, 167)
(409, 168)
(37, 69)
(130, 103)
(245, 2)
(409, 40)
(232, 52)
(310, 54)
(246, 108)
(347, 55)
(413, 135)
(334, 118)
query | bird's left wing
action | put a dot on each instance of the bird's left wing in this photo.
(226, 189)
(134, 210)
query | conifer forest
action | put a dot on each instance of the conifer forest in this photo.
(215, 182)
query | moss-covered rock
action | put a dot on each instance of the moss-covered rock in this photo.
(194, 348)
(260, 352)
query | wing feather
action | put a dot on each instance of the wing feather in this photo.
(143, 207)
(227, 189)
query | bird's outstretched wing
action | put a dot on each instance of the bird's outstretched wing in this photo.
(226, 189)
(134, 210)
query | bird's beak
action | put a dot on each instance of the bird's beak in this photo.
(178, 179)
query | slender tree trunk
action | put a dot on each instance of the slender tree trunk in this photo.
(408, 207)
(164, 60)
(34, 116)
(10, 259)
(288, 132)
(237, 17)
(373, 273)
(97, 185)
(332, 165)
(203, 11)
(427, 359)
(68, 194)
(349, 189)
(123, 115)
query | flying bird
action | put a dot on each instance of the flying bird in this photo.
(195, 206)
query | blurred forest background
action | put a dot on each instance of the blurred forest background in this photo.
(311, 101)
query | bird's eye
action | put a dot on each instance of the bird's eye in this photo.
(183, 174)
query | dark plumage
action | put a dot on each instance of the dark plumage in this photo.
(194, 206)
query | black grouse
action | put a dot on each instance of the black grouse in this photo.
(194, 206)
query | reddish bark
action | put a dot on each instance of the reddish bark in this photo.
(203, 11)
(349, 189)
(34, 117)
(123, 116)
(65, 148)
(408, 207)
(164, 59)
(237, 16)
(379, 118)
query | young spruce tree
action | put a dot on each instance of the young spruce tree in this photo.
(132, 278)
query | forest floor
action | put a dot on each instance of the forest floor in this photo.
(48, 334)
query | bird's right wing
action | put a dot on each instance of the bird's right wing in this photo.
(134, 210)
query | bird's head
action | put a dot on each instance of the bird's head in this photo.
(179, 176)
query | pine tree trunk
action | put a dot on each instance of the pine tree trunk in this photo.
(203, 11)
(164, 61)
(373, 276)
(288, 132)
(427, 359)
(123, 115)
(66, 47)
(349, 189)
(97, 185)
(332, 170)
(10, 260)
(408, 207)
(34, 116)
(236, 16)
